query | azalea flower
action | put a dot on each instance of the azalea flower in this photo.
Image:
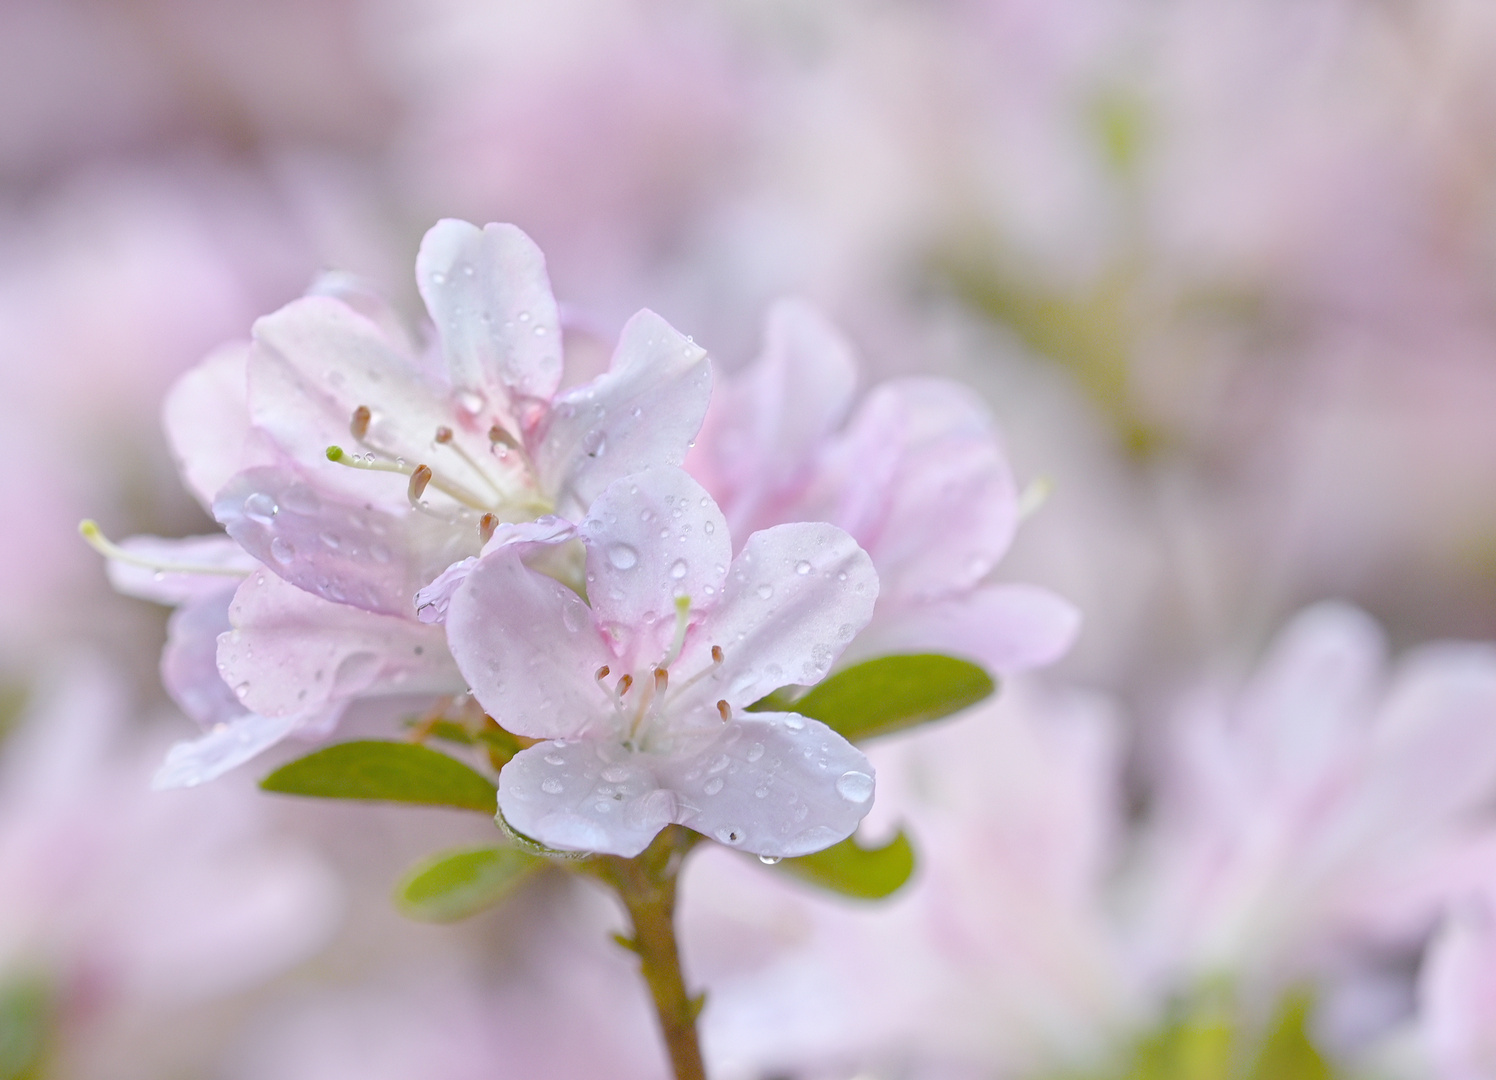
(915, 474)
(312, 603)
(1325, 804)
(639, 692)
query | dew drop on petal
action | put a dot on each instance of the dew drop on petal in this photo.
(554, 758)
(282, 551)
(622, 557)
(794, 721)
(855, 787)
(678, 569)
(755, 752)
(802, 568)
(712, 786)
(331, 540)
(710, 527)
(728, 835)
(768, 860)
(552, 786)
(765, 591)
(261, 507)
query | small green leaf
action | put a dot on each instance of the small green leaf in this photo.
(25, 1029)
(390, 771)
(456, 884)
(1286, 1053)
(879, 697)
(863, 873)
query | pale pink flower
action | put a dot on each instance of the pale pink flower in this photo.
(916, 475)
(1457, 993)
(640, 696)
(1323, 805)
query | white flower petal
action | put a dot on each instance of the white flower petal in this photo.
(651, 538)
(528, 648)
(206, 414)
(585, 795)
(644, 412)
(189, 661)
(217, 551)
(225, 747)
(1005, 628)
(488, 293)
(292, 653)
(795, 597)
(336, 547)
(774, 784)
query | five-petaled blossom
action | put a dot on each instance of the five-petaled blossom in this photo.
(639, 692)
(915, 473)
(292, 440)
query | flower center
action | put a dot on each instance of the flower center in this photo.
(642, 712)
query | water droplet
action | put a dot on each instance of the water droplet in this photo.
(729, 835)
(710, 527)
(841, 576)
(552, 786)
(470, 400)
(623, 557)
(856, 787)
(555, 759)
(282, 551)
(524, 316)
(765, 591)
(438, 278)
(331, 540)
(755, 752)
(646, 515)
(722, 762)
(712, 786)
(761, 792)
(540, 331)
(241, 691)
(261, 508)
(768, 860)
(380, 552)
(468, 269)
(637, 412)
(615, 774)
(595, 444)
(802, 568)
(678, 569)
(794, 721)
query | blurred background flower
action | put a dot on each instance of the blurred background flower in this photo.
(1223, 272)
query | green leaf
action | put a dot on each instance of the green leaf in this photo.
(390, 771)
(891, 693)
(25, 1030)
(863, 873)
(1286, 1052)
(455, 884)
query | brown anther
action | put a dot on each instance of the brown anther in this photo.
(418, 481)
(486, 526)
(725, 710)
(359, 425)
(717, 654)
(602, 673)
(624, 684)
(443, 435)
(499, 437)
(662, 680)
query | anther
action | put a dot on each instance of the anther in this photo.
(624, 684)
(602, 673)
(717, 656)
(418, 481)
(662, 680)
(486, 526)
(725, 710)
(444, 435)
(499, 437)
(359, 425)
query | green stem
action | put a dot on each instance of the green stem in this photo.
(646, 885)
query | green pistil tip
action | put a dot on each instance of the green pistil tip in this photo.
(334, 453)
(682, 605)
(88, 528)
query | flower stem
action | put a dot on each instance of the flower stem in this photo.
(646, 885)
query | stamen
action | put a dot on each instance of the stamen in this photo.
(359, 425)
(662, 680)
(717, 656)
(91, 532)
(724, 710)
(624, 684)
(682, 624)
(443, 435)
(370, 462)
(444, 438)
(418, 481)
(497, 436)
(717, 660)
(486, 526)
(602, 673)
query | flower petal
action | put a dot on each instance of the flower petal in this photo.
(189, 662)
(488, 293)
(316, 361)
(1005, 628)
(644, 412)
(225, 747)
(206, 414)
(796, 595)
(531, 536)
(217, 552)
(337, 547)
(774, 784)
(585, 795)
(765, 428)
(940, 520)
(292, 653)
(528, 647)
(651, 538)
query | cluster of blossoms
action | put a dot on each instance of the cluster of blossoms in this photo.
(446, 516)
